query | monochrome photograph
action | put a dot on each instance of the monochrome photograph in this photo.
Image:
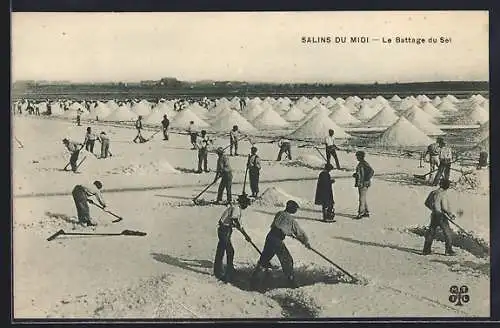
(250, 165)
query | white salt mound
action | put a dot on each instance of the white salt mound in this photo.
(385, 117)
(366, 112)
(307, 160)
(141, 108)
(123, 113)
(447, 106)
(317, 127)
(269, 119)
(182, 119)
(226, 123)
(101, 111)
(342, 116)
(403, 134)
(425, 126)
(294, 114)
(431, 110)
(395, 98)
(478, 114)
(276, 197)
(416, 114)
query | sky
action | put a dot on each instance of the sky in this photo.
(253, 46)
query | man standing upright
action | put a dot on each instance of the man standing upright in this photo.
(138, 127)
(324, 193)
(433, 153)
(445, 158)
(363, 175)
(165, 124)
(253, 166)
(74, 148)
(89, 141)
(437, 202)
(81, 194)
(234, 135)
(331, 148)
(104, 140)
(202, 145)
(225, 173)
(192, 134)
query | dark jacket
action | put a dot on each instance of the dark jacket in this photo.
(363, 175)
(324, 193)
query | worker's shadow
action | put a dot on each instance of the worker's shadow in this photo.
(61, 216)
(370, 243)
(198, 266)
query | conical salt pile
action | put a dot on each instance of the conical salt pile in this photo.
(56, 108)
(165, 108)
(395, 98)
(269, 119)
(382, 100)
(112, 105)
(425, 126)
(317, 127)
(182, 119)
(342, 116)
(219, 110)
(317, 109)
(201, 112)
(486, 104)
(477, 115)
(385, 117)
(154, 118)
(76, 106)
(294, 114)
(276, 197)
(431, 110)
(436, 101)
(447, 106)
(366, 112)
(403, 134)
(281, 108)
(340, 101)
(252, 111)
(101, 111)
(451, 98)
(226, 123)
(122, 114)
(416, 113)
(141, 108)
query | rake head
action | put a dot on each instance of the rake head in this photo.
(133, 233)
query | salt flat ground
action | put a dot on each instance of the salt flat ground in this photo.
(168, 273)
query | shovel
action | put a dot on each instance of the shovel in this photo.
(123, 233)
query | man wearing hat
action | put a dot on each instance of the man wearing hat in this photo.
(433, 153)
(362, 176)
(283, 225)
(445, 157)
(138, 126)
(231, 218)
(165, 124)
(253, 166)
(81, 196)
(202, 145)
(225, 173)
(331, 148)
(74, 148)
(324, 193)
(234, 135)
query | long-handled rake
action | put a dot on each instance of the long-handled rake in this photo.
(123, 233)
(204, 190)
(118, 218)
(77, 166)
(465, 232)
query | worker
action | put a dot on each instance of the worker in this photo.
(231, 218)
(138, 126)
(331, 148)
(445, 158)
(437, 202)
(81, 196)
(432, 153)
(364, 173)
(253, 165)
(234, 136)
(324, 193)
(104, 140)
(192, 134)
(283, 225)
(285, 147)
(202, 142)
(89, 141)
(74, 149)
(225, 173)
(165, 123)
(78, 119)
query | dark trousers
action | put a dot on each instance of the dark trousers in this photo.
(225, 183)
(438, 220)
(275, 246)
(254, 175)
(202, 159)
(73, 160)
(285, 148)
(82, 207)
(104, 148)
(89, 146)
(139, 136)
(233, 143)
(328, 212)
(362, 203)
(331, 151)
(443, 170)
(192, 137)
(165, 133)
(224, 246)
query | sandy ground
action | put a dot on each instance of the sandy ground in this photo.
(168, 273)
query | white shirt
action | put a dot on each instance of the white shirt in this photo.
(330, 141)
